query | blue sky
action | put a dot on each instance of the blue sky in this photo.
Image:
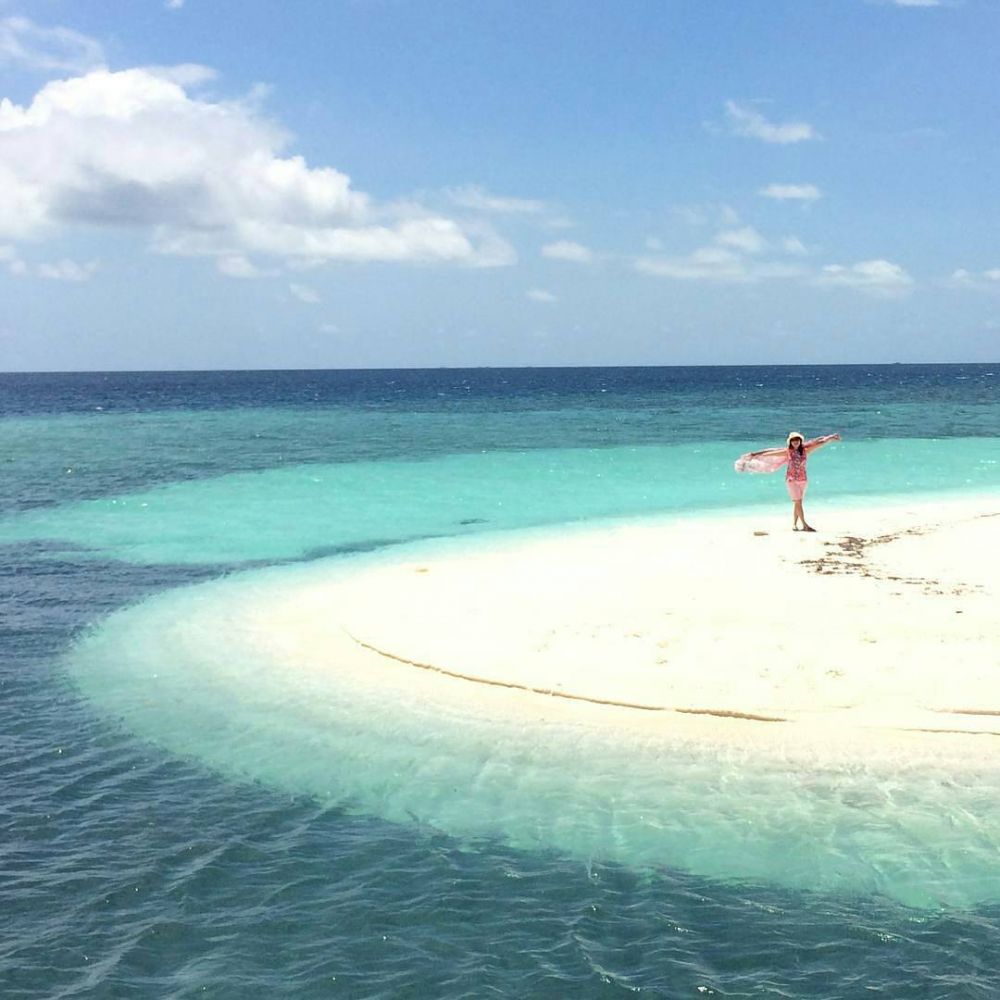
(223, 184)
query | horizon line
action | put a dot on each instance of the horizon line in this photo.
(469, 368)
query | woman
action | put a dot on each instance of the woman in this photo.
(794, 455)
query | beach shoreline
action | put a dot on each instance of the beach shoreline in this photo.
(880, 628)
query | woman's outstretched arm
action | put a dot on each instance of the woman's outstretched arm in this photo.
(820, 441)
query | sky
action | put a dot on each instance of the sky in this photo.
(205, 184)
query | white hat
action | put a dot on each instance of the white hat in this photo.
(794, 434)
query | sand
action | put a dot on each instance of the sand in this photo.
(883, 625)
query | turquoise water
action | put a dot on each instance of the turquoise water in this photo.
(186, 669)
(305, 511)
(177, 819)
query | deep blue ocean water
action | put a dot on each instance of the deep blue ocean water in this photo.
(131, 866)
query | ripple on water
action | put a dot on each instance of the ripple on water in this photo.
(184, 670)
(166, 881)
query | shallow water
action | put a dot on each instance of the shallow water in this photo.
(307, 511)
(188, 670)
(177, 840)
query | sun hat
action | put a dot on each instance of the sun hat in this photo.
(794, 434)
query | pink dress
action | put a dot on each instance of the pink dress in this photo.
(795, 475)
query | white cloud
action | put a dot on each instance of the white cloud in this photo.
(67, 270)
(794, 246)
(475, 197)
(173, 4)
(746, 240)
(880, 277)
(237, 266)
(134, 149)
(193, 74)
(304, 294)
(567, 250)
(329, 328)
(24, 43)
(58, 270)
(791, 192)
(916, 3)
(765, 270)
(541, 214)
(749, 122)
(491, 249)
(540, 295)
(735, 256)
(9, 257)
(963, 278)
(705, 264)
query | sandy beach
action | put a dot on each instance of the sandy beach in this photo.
(881, 626)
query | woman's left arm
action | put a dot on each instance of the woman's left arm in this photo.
(820, 441)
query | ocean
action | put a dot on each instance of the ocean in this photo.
(180, 840)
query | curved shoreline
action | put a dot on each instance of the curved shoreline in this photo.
(730, 619)
(879, 780)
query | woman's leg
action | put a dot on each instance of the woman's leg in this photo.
(802, 518)
(797, 491)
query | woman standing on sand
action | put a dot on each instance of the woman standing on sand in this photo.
(794, 455)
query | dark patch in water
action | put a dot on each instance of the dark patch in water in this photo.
(348, 549)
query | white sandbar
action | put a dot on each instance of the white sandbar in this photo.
(882, 626)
